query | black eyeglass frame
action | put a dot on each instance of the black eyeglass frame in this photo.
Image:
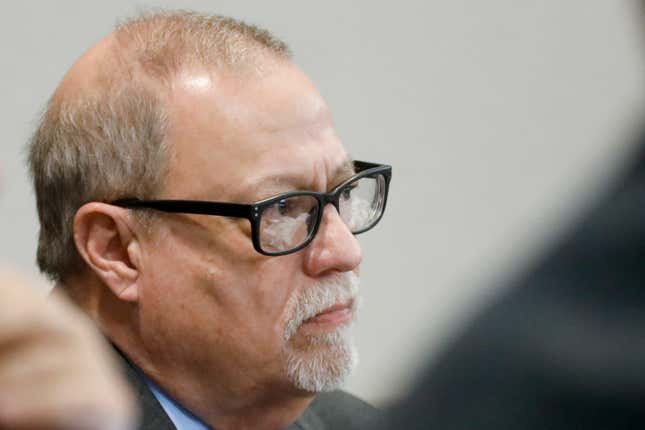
(253, 211)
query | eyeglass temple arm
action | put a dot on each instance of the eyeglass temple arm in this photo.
(236, 210)
(364, 165)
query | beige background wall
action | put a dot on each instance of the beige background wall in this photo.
(499, 117)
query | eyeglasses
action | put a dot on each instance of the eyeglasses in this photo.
(288, 222)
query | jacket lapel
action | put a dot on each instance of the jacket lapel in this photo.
(309, 420)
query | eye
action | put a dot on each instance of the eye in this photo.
(346, 193)
(291, 207)
(283, 206)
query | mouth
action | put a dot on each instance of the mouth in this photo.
(340, 313)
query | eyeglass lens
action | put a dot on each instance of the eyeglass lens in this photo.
(289, 222)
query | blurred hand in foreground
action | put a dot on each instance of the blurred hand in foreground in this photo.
(56, 371)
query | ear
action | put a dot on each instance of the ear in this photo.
(105, 239)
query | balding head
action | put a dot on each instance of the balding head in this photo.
(88, 74)
(102, 134)
(159, 46)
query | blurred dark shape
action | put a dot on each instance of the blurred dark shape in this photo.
(564, 347)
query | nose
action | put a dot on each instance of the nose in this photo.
(334, 248)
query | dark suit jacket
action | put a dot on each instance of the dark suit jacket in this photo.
(329, 411)
(562, 348)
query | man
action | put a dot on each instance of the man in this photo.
(55, 372)
(233, 315)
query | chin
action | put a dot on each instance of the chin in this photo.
(321, 362)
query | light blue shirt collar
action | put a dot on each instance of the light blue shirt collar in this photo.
(181, 417)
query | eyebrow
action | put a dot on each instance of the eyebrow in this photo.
(272, 185)
(343, 171)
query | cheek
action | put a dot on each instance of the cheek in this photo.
(229, 299)
(257, 303)
(177, 282)
(283, 275)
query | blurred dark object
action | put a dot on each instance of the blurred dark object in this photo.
(564, 347)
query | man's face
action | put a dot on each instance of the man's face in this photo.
(210, 301)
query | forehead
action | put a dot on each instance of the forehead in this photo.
(228, 133)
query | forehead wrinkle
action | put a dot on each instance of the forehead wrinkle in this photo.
(270, 185)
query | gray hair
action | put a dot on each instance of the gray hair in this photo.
(109, 141)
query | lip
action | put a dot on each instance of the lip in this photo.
(341, 313)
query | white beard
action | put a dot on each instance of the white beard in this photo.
(325, 360)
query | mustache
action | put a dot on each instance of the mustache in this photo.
(337, 288)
